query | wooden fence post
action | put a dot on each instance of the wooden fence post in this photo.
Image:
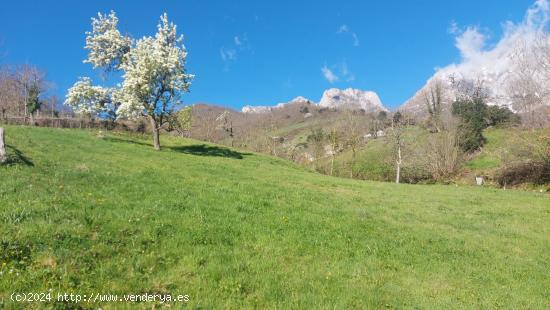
(3, 155)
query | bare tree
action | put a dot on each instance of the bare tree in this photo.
(225, 123)
(32, 84)
(50, 106)
(527, 83)
(396, 136)
(209, 124)
(353, 136)
(334, 140)
(317, 140)
(10, 96)
(505, 162)
(3, 155)
(443, 154)
(433, 98)
(469, 89)
(268, 141)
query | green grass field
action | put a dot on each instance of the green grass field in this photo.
(81, 213)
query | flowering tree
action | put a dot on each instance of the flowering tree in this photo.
(88, 99)
(182, 121)
(153, 73)
(226, 124)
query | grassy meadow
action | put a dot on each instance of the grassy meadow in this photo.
(88, 211)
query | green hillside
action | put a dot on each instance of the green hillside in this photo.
(85, 211)
(375, 160)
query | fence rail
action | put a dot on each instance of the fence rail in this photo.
(72, 122)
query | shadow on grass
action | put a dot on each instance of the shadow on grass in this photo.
(206, 150)
(15, 157)
(114, 139)
(197, 149)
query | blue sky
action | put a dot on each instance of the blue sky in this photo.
(263, 53)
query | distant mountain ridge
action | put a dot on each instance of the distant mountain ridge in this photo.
(265, 109)
(513, 72)
(349, 98)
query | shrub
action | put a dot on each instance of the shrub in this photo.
(535, 172)
(443, 155)
(500, 116)
(382, 116)
(415, 174)
(470, 137)
(472, 123)
(475, 116)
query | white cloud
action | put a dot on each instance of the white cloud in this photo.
(329, 75)
(355, 39)
(239, 45)
(344, 68)
(241, 41)
(337, 72)
(453, 28)
(493, 64)
(470, 43)
(477, 57)
(537, 15)
(228, 54)
(346, 29)
(288, 83)
(343, 28)
(345, 72)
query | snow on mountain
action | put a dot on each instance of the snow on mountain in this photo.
(498, 67)
(351, 98)
(265, 109)
(300, 99)
(332, 98)
(256, 109)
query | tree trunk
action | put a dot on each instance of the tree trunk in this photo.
(156, 134)
(3, 155)
(352, 163)
(231, 134)
(398, 173)
(332, 164)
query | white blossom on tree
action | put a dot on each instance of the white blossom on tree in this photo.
(87, 99)
(107, 47)
(153, 72)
